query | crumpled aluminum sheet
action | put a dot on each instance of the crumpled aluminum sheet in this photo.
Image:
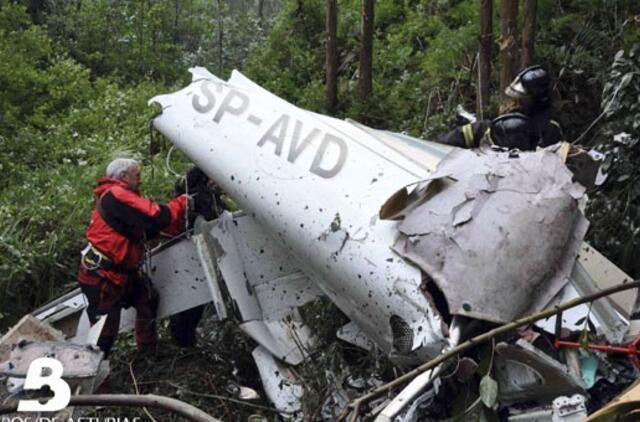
(498, 232)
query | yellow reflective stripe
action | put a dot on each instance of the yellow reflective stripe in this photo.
(467, 132)
(555, 123)
(89, 262)
(563, 152)
(100, 254)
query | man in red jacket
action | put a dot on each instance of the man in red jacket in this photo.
(109, 273)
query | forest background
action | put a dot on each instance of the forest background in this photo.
(75, 76)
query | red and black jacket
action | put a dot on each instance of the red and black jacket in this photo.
(120, 222)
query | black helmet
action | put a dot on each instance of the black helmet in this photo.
(532, 82)
(512, 131)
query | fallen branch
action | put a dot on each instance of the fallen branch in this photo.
(178, 407)
(225, 398)
(482, 338)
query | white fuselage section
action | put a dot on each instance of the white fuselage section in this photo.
(316, 184)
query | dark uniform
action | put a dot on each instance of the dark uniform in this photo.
(512, 131)
(466, 136)
(531, 86)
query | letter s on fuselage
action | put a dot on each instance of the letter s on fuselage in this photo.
(237, 105)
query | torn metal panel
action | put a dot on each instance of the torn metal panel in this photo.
(232, 269)
(206, 249)
(61, 307)
(78, 361)
(269, 272)
(285, 293)
(298, 171)
(263, 258)
(603, 274)
(265, 287)
(64, 313)
(176, 273)
(614, 326)
(178, 276)
(593, 272)
(280, 384)
(351, 333)
(288, 339)
(28, 328)
(525, 373)
(602, 314)
(501, 240)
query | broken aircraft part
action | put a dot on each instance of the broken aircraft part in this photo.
(312, 188)
(78, 361)
(279, 383)
(521, 212)
(296, 148)
(518, 212)
(525, 373)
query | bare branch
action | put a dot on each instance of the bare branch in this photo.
(482, 338)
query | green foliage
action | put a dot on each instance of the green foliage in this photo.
(67, 109)
(51, 173)
(615, 209)
(59, 130)
(24, 53)
(293, 59)
(74, 94)
(419, 61)
(158, 39)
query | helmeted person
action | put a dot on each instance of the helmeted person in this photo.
(109, 276)
(511, 131)
(532, 88)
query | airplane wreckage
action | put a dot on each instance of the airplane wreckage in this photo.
(419, 244)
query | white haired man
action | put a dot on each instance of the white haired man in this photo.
(109, 272)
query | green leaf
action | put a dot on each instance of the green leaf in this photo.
(489, 391)
(584, 340)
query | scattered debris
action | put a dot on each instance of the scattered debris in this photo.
(321, 326)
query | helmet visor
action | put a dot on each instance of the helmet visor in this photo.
(516, 90)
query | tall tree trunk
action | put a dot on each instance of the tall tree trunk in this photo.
(220, 35)
(176, 21)
(528, 32)
(37, 10)
(142, 59)
(261, 12)
(508, 45)
(365, 84)
(332, 55)
(484, 66)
